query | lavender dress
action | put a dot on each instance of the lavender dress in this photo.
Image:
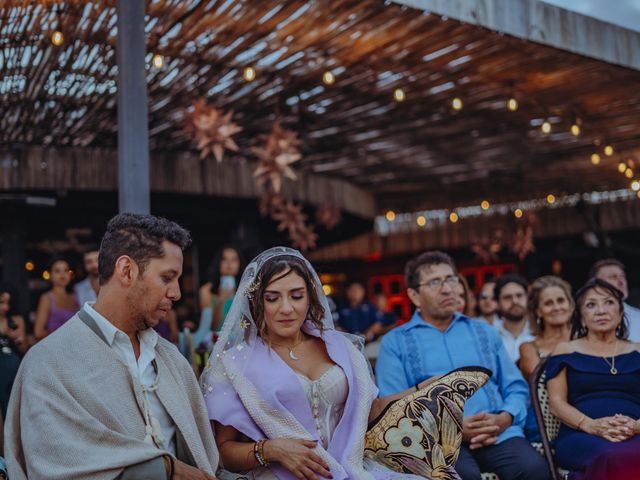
(57, 316)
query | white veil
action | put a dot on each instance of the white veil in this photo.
(240, 326)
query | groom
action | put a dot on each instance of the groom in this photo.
(105, 397)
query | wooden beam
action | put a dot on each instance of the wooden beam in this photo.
(543, 23)
(40, 168)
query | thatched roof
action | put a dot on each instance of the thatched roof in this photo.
(415, 154)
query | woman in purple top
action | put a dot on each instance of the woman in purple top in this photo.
(290, 396)
(57, 305)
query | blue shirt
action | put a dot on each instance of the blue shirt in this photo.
(417, 350)
(358, 319)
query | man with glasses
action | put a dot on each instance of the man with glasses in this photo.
(437, 340)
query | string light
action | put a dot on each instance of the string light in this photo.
(512, 104)
(575, 130)
(635, 185)
(456, 104)
(391, 215)
(608, 150)
(518, 212)
(328, 78)
(628, 173)
(595, 159)
(158, 61)
(453, 217)
(551, 198)
(29, 266)
(485, 205)
(622, 167)
(249, 74)
(546, 127)
(57, 38)
(630, 163)
(46, 275)
(421, 221)
(638, 194)
(399, 95)
(327, 289)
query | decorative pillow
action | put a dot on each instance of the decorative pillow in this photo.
(422, 432)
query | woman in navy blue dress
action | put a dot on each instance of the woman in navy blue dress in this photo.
(594, 389)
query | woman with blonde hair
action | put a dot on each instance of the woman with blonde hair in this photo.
(551, 304)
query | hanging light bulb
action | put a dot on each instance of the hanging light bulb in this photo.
(608, 150)
(551, 198)
(57, 38)
(622, 167)
(628, 173)
(485, 205)
(546, 127)
(518, 212)
(249, 74)
(399, 95)
(512, 104)
(390, 215)
(421, 221)
(457, 104)
(575, 130)
(595, 159)
(635, 185)
(453, 217)
(630, 163)
(328, 78)
(158, 61)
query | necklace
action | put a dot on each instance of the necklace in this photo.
(292, 355)
(612, 364)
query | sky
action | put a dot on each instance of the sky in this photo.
(625, 13)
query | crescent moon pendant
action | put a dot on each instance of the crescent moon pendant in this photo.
(292, 355)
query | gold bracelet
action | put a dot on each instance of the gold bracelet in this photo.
(580, 421)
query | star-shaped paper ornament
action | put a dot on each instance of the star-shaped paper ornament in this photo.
(211, 130)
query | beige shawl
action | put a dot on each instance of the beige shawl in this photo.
(76, 413)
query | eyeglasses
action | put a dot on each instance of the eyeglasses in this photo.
(485, 296)
(437, 283)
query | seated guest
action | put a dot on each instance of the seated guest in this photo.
(550, 302)
(466, 301)
(487, 305)
(104, 397)
(57, 305)
(510, 292)
(594, 389)
(612, 271)
(289, 396)
(358, 316)
(12, 344)
(87, 290)
(437, 340)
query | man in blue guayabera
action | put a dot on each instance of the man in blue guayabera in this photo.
(437, 340)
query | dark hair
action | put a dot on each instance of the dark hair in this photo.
(423, 261)
(535, 290)
(92, 247)
(469, 298)
(577, 330)
(607, 262)
(274, 269)
(214, 274)
(503, 280)
(60, 258)
(140, 237)
(8, 288)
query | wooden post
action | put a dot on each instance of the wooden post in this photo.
(14, 231)
(133, 129)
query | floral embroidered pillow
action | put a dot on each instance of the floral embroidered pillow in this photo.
(422, 432)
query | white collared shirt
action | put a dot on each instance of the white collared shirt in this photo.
(141, 370)
(511, 343)
(633, 322)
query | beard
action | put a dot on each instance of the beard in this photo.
(513, 315)
(135, 304)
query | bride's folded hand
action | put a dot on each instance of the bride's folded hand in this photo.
(297, 456)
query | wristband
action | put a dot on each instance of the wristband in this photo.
(172, 467)
(580, 421)
(258, 452)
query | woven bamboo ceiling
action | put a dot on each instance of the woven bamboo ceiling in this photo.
(418, 153)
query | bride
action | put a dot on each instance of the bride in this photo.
(288, 396)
